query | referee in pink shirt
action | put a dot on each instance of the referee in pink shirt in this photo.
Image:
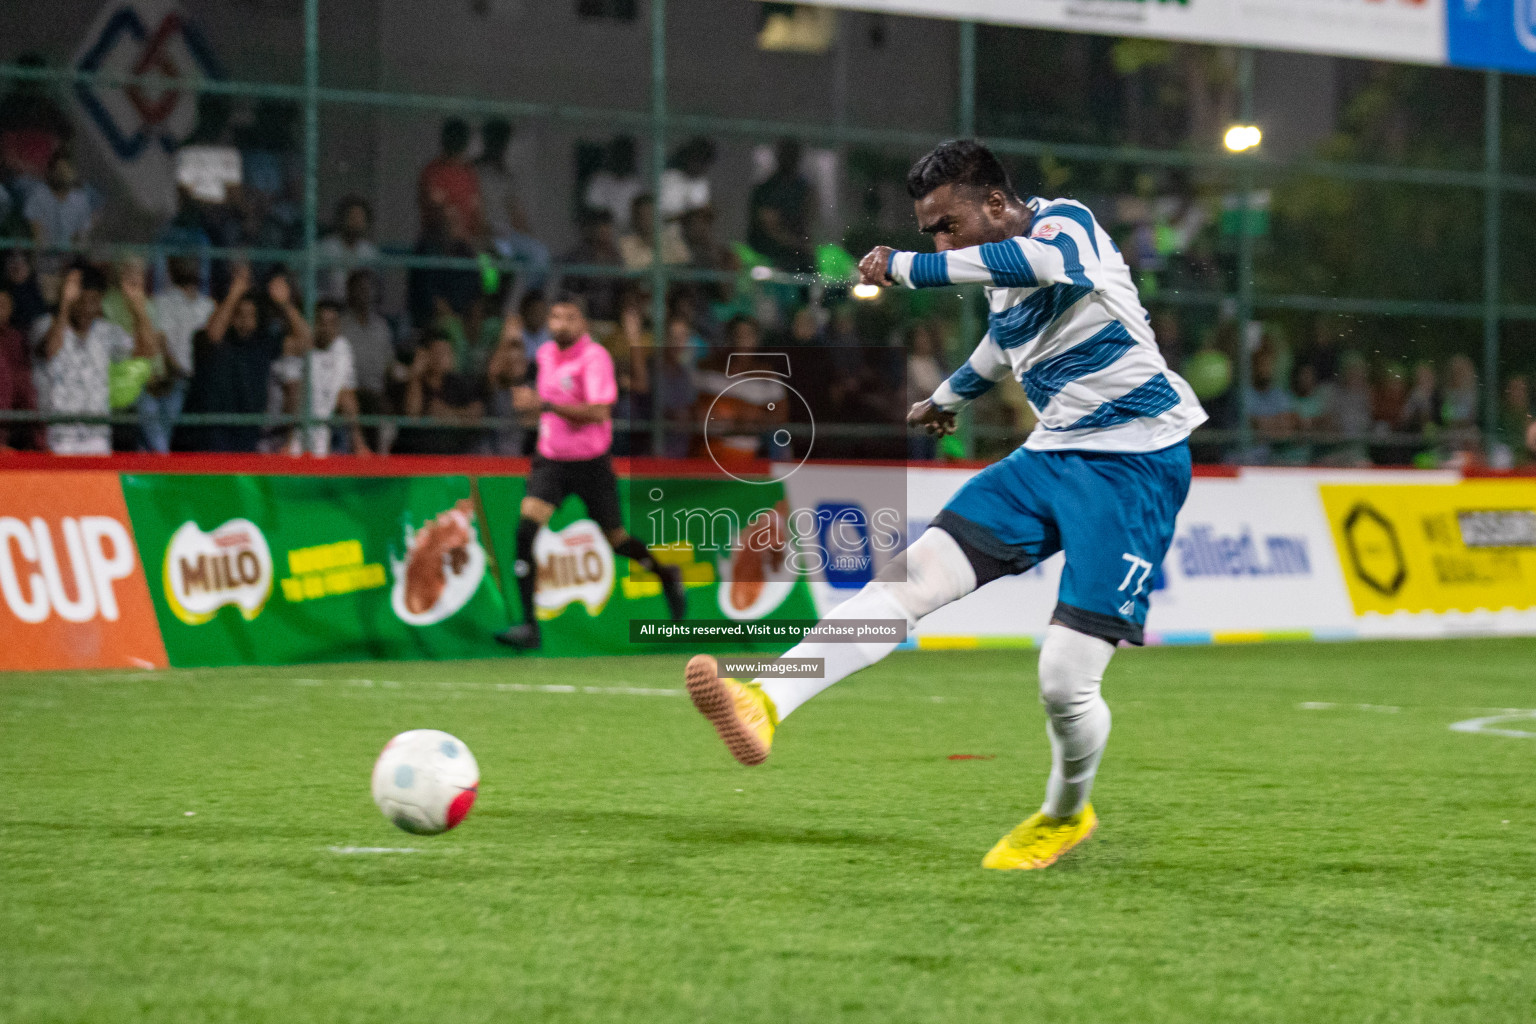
(576, 392)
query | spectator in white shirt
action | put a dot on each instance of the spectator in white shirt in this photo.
(346, 247)
(180, 311)
(75, 350)
(684, 184)
(614, 187)
(373, 352)
(332, 384)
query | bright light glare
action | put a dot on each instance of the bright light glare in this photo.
(1243, 137)
(866, 291)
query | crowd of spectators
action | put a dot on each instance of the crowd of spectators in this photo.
(1332, 406)
(185, 334)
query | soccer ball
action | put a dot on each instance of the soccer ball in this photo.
(425, 781)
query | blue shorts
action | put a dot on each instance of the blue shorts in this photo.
(1113, 514)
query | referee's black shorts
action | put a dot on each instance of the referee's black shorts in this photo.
(591, 480)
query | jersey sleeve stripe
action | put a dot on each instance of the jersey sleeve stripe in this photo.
(1045, 379)
(966, 383)
(1153, 398)
(1083, 218)
(929, 270)
(1070, 258)
(1009, 267)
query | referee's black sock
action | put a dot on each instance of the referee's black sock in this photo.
(635, 551)
(526, 571)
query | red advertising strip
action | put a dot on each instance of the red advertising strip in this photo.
(72, 588)
(417, 465)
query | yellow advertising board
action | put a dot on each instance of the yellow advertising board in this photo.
(1436, 548)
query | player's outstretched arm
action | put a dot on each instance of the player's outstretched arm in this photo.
(1058, 250)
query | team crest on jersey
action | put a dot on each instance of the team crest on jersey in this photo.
(1046, 231)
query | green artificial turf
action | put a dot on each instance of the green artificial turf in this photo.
(1259, 860)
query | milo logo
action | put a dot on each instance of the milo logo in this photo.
(205, 571)
(574, 564)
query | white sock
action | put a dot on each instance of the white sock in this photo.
(842, 660)
(931, 573)
(1072, 666)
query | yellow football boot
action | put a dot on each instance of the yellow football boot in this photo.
(1038, 841)
(741, 713)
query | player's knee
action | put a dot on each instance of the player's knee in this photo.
(1060, 685)
(1071, 668)
(617, 536)
(931, 573)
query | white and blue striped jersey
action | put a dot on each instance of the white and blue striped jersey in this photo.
(1065, 319)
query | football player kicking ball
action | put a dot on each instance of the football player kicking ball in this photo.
(1101, 477)
(575, 396)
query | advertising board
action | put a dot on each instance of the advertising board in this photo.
(250, 570)
(72, 592)
(1465, 33)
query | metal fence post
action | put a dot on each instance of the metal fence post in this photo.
(311, 196)
(1245, 250)
(1493, 126)
(658, 164)
(965, 122)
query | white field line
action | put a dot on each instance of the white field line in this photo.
(393, 684)
(1486, 724)
(373, 849)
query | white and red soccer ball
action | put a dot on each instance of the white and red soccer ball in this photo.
(425, 781)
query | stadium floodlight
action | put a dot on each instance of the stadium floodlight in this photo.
(866, 291)
(1241, 138)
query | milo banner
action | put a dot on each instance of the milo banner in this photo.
(275, 570)
(107, 570)
(587, 596)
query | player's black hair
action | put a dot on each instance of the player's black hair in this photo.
(959, 162)
(530, 296)
(455, 136)
(569, 298)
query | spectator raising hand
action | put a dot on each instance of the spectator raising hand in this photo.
(280, 291)
(77, 347)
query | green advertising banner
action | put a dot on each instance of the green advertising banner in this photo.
(255, 570)
(587, 595)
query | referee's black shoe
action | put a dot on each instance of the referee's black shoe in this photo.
(672, 589)
(524, 637)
